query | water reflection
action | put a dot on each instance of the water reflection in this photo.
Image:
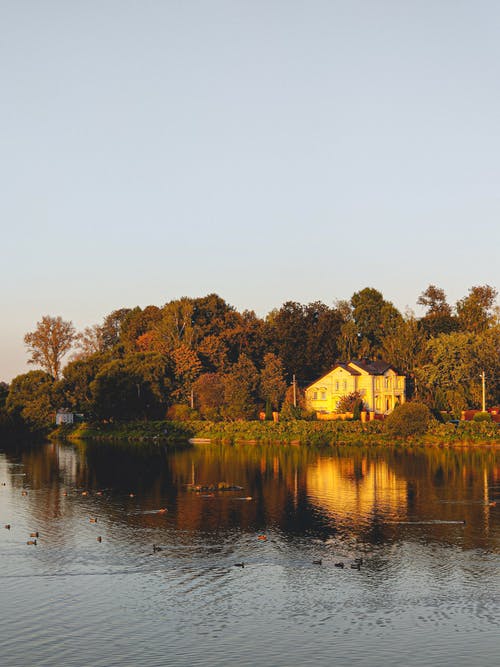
(426, 575)
(299, 491)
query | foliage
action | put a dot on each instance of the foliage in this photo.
(476, 311)
(181, 412)
(139, 385)
(208, 391)
(408, 419)
(348, 402)
(240, 386)
(30, 400)
(47, 345)
(482, 417)
(272, 381)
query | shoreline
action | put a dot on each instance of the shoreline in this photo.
(297, 433)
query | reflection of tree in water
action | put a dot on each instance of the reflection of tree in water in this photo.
(355, 492)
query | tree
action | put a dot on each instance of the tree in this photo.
(434, 299)
(30, 400)
(90, 341)
(404, 348)
(137, 386)
(476, 311)
(208, 390)
(272, 381)
(374, 318)
(187, 368)
(240, 386)
(438, 318)
(48, 344)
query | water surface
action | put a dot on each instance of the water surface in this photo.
(423, 522)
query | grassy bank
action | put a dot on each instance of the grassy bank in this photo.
(286, 432)
(154, 431)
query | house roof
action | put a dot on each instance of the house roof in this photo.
(378, 367)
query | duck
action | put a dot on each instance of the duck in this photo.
(31, 542)
(355, 566)
(34, 534)
(99, 538)
(262, 538)
(156, 548)
(24, 493)
(7, 525)
(319, 561)
(93, 519)
(340, 564)
(358, 561)
(242, 564)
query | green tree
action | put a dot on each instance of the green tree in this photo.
(47, 345)
(404, 348)
(272, 381)
(374, 318)
(438, 318)
(30, 400)
(476, 312)
(240, 386)
(137, 386)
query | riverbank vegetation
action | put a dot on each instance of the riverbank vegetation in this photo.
(200, 360)
(288, 432)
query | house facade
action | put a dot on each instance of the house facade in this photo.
(378, 383)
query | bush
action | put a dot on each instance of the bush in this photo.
(482, 417)
(181, 412)
(348, 402)
(408, 419)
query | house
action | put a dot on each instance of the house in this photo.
(65, 416)
(378, 383)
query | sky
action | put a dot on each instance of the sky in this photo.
(265, 150)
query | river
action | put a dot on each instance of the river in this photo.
(250, 575)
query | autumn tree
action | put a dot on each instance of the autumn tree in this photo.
(208, 391)
(47, 345)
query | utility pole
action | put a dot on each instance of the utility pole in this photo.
(294, 392)
(484, 391)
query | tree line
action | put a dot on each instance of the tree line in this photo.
(201, 357)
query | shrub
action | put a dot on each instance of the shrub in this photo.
(482, 417)
(408, 419)
(181, 412)
(348, 402)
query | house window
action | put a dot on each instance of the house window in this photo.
(387, 383)
(345, 384)
(323, 395)
(315, 396)
(337, 385)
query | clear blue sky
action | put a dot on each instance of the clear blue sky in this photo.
(263, 150)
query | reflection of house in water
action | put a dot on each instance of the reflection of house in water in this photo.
(356, 488)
